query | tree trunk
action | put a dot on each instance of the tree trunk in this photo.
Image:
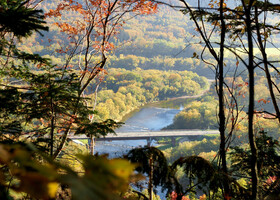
(150, 187)
(222, 119)
(265, 62)
(252, 142)
(92, 144)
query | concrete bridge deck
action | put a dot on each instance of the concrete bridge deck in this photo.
(149, 134)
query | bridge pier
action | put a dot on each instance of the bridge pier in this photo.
(173, 141)
(91, 144)
(149, 141)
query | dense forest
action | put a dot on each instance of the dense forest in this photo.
(76, 68)
(123, 91)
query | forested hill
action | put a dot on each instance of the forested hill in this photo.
(165, 33)
(169, 40)
(123, 91)
(150, 61)
(166, 40)
(162, 41)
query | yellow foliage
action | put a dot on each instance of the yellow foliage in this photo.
(52, 189)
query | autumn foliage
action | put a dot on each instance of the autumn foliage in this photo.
(89, 37)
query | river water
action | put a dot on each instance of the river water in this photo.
(152, 117)
(147, 119)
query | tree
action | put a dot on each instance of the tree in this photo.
(42, 103)
(153, 163)
(196, 14)
(241, 28)
(32, 178)
(15, 74)
(90, 39)
(20, 20)
(34, 105)
(249, 13)
(199, 172)
(268, 162)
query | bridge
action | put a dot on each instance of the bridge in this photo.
(149, 135)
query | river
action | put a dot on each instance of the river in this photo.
(152, 117)
(146, 119)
